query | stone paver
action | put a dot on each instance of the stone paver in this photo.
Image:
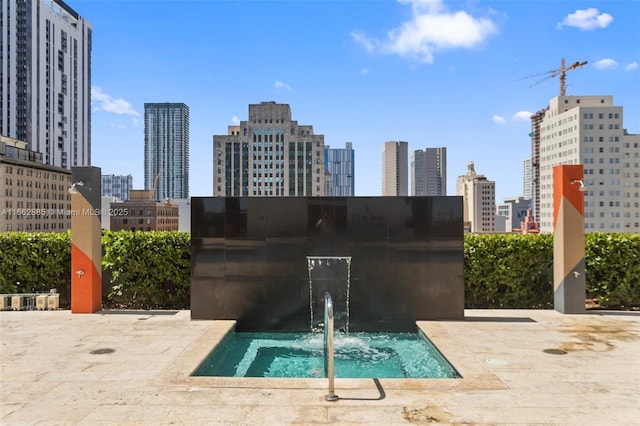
(519, 367)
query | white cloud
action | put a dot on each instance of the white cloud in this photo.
(430, 29)
(361, 38)
(235, 119)
(280, 85)
(631, 67)
(606, 64)
(522, 116)
(364, 71)
(419, 6)
(587, 19)
(498, 119)
(101, 101)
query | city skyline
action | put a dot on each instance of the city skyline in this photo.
(399, 75)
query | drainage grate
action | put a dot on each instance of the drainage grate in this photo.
(554, 351)
(102, 351)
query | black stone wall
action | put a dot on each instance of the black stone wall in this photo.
(249, 259)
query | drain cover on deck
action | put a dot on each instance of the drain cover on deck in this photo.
(554, 351)
(102, 351)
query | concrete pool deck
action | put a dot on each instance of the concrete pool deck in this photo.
(533, 367)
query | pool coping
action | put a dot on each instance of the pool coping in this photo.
(475, 376)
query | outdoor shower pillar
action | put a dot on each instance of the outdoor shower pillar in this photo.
(86, 233)
(568, 239)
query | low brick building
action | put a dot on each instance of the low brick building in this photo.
(142, 214)
(34, 196)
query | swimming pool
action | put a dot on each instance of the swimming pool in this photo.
(300, 355)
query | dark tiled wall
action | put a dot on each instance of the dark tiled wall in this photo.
(249, 259)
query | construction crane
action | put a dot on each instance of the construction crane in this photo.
(562, 72)
(155, 184)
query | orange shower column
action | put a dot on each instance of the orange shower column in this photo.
(568, 239)
(86, 233)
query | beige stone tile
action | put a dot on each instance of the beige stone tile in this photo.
(148, 377)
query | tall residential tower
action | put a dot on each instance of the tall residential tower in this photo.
(395, 168)
(269, 155)
(527, 179)
(339, 164)
(429, 172)
(166, 150)
(45, 90)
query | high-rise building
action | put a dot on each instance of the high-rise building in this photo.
(117, 186)
(269, 155)
(536, 121)
(166, 150)
(429, 172)
(527, 179)
(395, 168)
(339, 164)
(589, 130)
(45, 90)
(479, 205)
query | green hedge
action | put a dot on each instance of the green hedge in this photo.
(612, 268)
(516, 271)
(34, 263)
(508, 271)
(151, 270)
(148, 270)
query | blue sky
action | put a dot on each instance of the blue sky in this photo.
(432, 73)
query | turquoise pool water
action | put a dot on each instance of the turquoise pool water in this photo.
(357, 355)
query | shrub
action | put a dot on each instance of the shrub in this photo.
(35, 262)
(612, 268)
(508, 271)
(150, 270)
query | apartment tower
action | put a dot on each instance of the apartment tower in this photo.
(45, 90)
(166, 150)
(527, 179)
(395, 170)
(269, 155)
(429, 172)
(339, 164)
(589, 130)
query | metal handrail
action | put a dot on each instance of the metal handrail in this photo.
(328, 346)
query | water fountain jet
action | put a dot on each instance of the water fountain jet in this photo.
(329, 274)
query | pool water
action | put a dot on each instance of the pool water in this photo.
(357, 355)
